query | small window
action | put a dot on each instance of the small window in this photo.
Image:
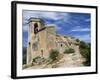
(35, 46)
(42, 52)
(61, 45)
(29, 43)
(35, 28)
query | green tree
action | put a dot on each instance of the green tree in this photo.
(24, 55)
(69, 50)
(54, 54)
(77, 40)
(85, 51)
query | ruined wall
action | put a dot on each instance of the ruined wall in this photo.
(33, 45)
(50, 38)
(40, 42)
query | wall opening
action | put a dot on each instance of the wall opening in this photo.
(35, 28)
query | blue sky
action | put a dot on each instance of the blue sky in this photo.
(66, 23)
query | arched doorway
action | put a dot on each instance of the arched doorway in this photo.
(42, 52)
(35, 28)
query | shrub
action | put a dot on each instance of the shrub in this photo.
(54, 54)
(34, 59)
(83, 45)
(85, 51)
(77, 43)
(65, 36)
(38, 60)
(24, 55)
(69, 50)
(77, 40)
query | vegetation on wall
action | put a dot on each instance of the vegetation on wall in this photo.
(34, 59)
(24, 55)
(38, 60)
(77, 40)
(54, 54)
(85, 51)
(69, 50)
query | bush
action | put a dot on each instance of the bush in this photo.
(77, 40)
(76, 44)
(54, 54)
(34, 59)
(24, 55)
(85, 51)
(69, 50)
(38, 60)
(83, 45)
(65, 36)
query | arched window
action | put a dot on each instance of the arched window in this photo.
(42, 52)
(35, 28)
(35, 46)
(61, 45)
(29, 43)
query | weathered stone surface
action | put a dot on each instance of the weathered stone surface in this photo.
(40, 44)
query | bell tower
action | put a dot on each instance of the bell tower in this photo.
(35, 24)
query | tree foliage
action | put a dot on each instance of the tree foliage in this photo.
(77, 40)
(85, 51)
(54, 54)
(69, 50)
(24, 55)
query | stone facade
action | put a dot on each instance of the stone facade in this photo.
(41, 39)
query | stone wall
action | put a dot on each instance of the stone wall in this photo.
(43, 41)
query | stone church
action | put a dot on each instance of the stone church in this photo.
(42, 38)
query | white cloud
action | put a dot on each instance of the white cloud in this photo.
(81, 29)
(25, 28)
(24, 43)
(40, 14)
(87, 20)
(46, 15)
(56, 27)
(86, 37)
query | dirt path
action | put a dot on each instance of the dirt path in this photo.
(73, 59)
(68, 60)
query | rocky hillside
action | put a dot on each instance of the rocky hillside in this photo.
(73, 59)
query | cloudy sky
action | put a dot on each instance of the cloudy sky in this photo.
(70, 24)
